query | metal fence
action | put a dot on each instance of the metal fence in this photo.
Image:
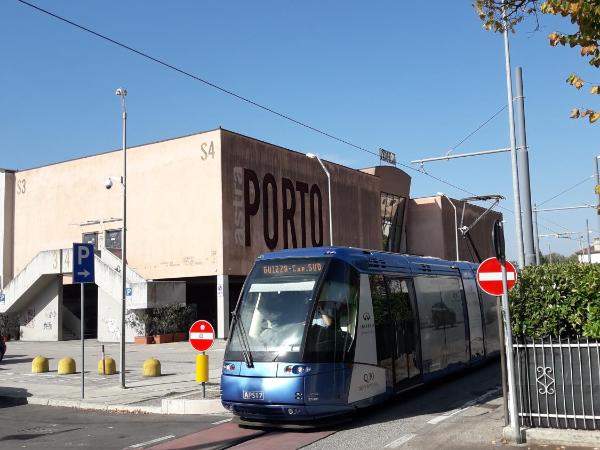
(558, 382)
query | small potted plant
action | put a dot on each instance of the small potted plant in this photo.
(163, 316)
(184, 319)
(9, 326)
(141, 321)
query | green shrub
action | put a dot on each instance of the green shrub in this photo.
(561, 300)
(162, 319)
(9, 325)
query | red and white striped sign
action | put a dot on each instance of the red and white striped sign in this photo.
(489, 276)
(202, 335)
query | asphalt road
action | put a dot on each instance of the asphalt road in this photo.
(464, 412)
(37, 427)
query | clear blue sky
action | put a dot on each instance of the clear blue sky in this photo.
(414, 78)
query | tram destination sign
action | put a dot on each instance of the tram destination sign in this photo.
(281, 268)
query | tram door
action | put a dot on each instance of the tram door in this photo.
(406, 349)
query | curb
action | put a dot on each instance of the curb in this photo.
(168, 406)
(183, 406)
(554, 436)
(95, 406)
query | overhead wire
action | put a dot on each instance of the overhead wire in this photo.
(264, 107)
(462, 141)
(567, 190)
(246, 99)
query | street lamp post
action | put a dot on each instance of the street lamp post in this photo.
(314, 156)
(123, 93)
(441, 194)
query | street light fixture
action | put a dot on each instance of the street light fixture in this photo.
(441, 194)
(123, 93)
(315, 156)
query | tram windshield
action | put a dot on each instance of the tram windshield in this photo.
(278, 305)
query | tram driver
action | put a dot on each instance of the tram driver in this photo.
(328, 336)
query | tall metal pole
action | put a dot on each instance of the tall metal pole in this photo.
(503, 361)
(312, 155)
(512, 393)
(513, 147)
(455, 224)
(122, 93)
(597, 184)
(525, 185)
(587, 232)
(536, 236)
(82, 330)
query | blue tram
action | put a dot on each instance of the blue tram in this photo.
(320, 332)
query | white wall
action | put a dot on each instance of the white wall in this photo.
(42, 318)
(584, 258)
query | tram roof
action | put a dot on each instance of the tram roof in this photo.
(373, 260)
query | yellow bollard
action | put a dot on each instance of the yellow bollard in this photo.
(39, 365)
(152, 368)
(66, 366)
(108, 368)
(201, 368)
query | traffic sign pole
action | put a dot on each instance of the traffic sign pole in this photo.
(510, 367)
(82, 342)
(83, 272)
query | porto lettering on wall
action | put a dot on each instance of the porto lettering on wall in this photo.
(268, 202)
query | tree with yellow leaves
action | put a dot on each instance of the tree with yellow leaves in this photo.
(584, 14)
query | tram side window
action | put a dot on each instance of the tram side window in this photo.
(441, 317)
(333, 326)
(384, 327)
(490, 317)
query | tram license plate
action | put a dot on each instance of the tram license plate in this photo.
(254, 395)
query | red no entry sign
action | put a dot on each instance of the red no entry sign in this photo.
(489, 276)
(202, 335)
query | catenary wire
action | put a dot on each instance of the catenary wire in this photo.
(243, 98)
(260, 106)
(462, 141)
(567, 190)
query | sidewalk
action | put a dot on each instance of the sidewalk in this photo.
(175, 392)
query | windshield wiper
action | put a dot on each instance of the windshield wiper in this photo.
(243, 338)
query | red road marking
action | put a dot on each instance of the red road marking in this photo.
(215, 437)
(283, 440)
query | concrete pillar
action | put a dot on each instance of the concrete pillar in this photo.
(42, 317)
(7, 220)
(109, 319)
(222, 306)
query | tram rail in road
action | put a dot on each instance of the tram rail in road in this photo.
(231, 435)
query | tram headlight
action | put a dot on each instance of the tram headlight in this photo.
(228, 367)
(297, 369)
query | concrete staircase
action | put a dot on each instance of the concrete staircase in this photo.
(40, 284)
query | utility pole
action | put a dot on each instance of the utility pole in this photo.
(123, 93)
(525, 185)
(513, 146)
(536, 235)
(597, 189)
(587, 232)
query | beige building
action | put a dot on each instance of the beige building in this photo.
(201, 208)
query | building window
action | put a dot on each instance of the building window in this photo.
(113, 239)
(90, 238)
(392, 218)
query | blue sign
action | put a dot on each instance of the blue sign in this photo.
(83, 263)
(128, 292)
